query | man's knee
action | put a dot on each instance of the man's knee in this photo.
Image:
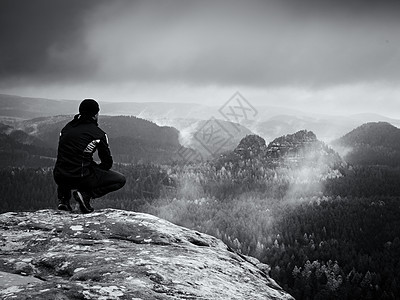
(122, 180)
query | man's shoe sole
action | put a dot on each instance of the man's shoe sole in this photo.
(64, 207)
(78, 197)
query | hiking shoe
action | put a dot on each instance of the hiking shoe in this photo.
(64, 206)
(84, 201)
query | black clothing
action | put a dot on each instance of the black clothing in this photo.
(97, 184)
(79, 139)
(75, 168)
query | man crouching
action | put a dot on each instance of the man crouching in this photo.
(75, 168)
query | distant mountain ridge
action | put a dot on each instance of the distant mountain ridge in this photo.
(132, 140)
(327, 128)
(191, 119)
(270, 121)
(28, 108)
(188, 118)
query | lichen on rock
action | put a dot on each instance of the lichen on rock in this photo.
(115, 254)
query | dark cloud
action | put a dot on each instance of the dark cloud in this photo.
(259, 43)
(312, 43)
(346, 7)
(43, 38)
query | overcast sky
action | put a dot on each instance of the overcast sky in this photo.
(317, 55)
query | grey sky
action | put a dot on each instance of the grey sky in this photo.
(325, 56)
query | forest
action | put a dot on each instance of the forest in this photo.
(328, 229)
(339, 239)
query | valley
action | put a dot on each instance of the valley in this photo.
(325, 220)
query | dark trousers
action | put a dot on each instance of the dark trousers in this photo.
(97, 184)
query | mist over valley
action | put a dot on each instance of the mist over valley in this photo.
(264, 187)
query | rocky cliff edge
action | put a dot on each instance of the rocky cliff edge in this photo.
(114, 254)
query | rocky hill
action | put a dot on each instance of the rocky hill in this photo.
(291, 150)
(374, 143)
(250, 147)
(301, 148)
(294, 162)
(373, 134)
(113, 254)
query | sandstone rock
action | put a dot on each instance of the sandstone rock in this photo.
(251, 145)
(114, 254)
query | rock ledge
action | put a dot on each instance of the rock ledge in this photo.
(114, 254)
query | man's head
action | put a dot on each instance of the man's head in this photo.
(89, 107)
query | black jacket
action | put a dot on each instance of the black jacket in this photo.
(79, 139)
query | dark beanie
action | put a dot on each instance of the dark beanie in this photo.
(89, 107)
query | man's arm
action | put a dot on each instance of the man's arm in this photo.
(104, 154)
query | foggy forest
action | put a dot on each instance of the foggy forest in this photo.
(327, 225)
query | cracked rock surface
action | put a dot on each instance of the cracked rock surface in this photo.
(115, 254)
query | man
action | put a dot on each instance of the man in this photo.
(75, 168)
